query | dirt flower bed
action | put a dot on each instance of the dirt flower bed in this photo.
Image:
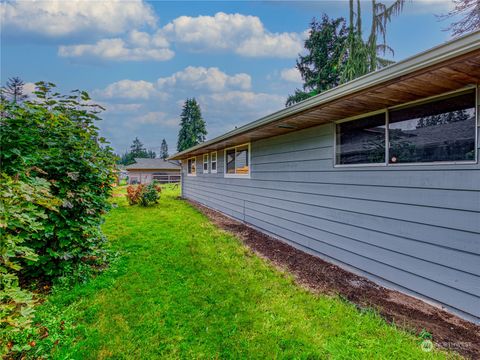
(449, 331)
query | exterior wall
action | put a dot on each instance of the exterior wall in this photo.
(146, 176)
(412, 227)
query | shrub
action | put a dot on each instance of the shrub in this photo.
(133, 194)
(144, 195)
(54, 138)
(22, 212)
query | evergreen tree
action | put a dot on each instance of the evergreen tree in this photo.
(336, 54)
(192, 126)
(137, 150)
(13, 90)
(164, 150)
(320, 67)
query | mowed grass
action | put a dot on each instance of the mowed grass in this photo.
(185, 289)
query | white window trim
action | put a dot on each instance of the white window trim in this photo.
(242, 176)
(193, 173)
(203, 164)
(387, 140)
(216, 162)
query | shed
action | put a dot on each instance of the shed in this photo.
(379, 175)
(145, 170)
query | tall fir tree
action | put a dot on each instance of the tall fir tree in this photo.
(320, 66)
(192, 126)
(13, 90)
(164, 150)
(336, 54)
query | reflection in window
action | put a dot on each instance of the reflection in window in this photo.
(205, 163)
(237, 160)
(230, 156)
(361, 141)
(191, 166)
(213, 159)
(443, 130)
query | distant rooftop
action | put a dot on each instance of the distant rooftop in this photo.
(153, 164)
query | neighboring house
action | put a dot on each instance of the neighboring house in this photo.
(379, 175)
(144, 171)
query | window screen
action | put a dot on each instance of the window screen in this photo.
(361, 141)
(442, 130)
(213, 159)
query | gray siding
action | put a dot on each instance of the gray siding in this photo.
(416, 228)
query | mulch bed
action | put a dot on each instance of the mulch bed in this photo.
(449, 331)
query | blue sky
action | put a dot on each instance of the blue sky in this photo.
(141, 60)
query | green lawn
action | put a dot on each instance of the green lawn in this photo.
(184, 289)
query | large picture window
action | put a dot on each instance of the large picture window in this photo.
(361, 141)
(237, 161)
(442, 130)
(192, 166)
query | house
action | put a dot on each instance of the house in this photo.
(144, 171)
(379, 175)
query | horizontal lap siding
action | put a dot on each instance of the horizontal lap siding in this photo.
(415, 227)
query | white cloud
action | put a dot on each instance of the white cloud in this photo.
(139, 46)
(243, 34)
(205, 78)
(28, 89)
(129, 89)
(248, 100)
(291, 75)
(121, 108)
(157, 118)
(60, 18)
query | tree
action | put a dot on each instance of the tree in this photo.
(164, 150)
(469, 10)
(320, 67)
(336, 55)
(363, 55)
(13, 90)
(192, 126)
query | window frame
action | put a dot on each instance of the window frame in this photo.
(241, 176)
(211, 162)
(207, 163)
(387, 110)
(194, 158)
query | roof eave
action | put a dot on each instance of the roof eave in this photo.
(436, 55)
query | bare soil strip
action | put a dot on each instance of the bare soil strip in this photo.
(449, 331)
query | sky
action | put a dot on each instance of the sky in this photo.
(141, 60)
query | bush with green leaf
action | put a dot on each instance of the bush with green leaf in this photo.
(22, 212)
(56, 176)
(54, 138)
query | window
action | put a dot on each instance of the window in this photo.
(205, 163)
(213, 165)
(442, 130)
(237, 160)
(192, 167)
(361, 141)
(439, 130)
